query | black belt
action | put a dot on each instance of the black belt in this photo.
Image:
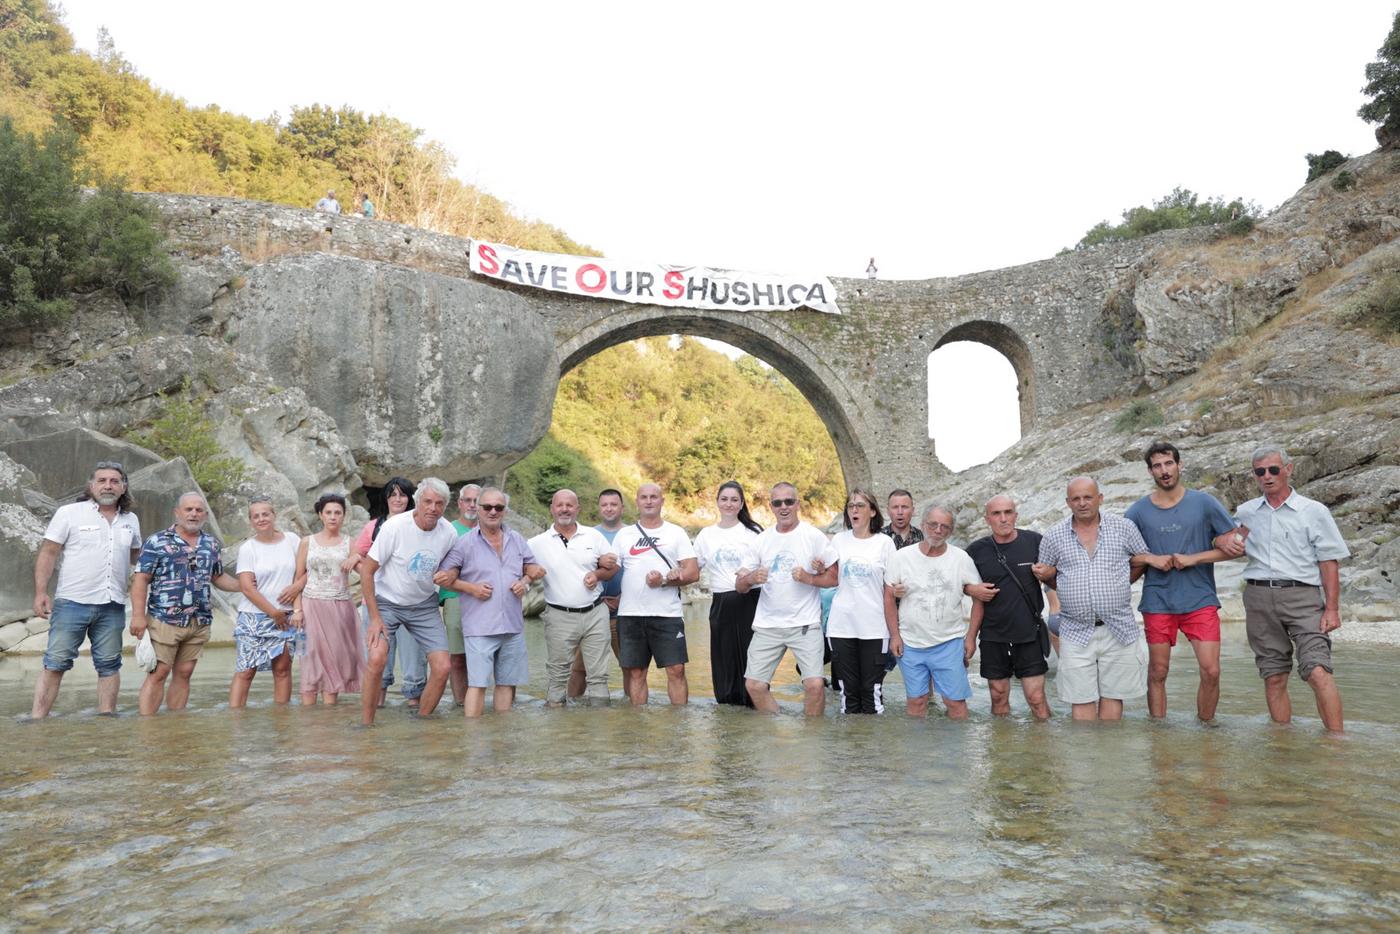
(1267, 582)
(575, 609)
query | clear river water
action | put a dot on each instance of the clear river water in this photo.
(701, 817)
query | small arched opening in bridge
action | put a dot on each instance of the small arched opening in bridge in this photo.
(820, 448)
(980, 394)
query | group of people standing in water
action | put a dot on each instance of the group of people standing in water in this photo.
(445, 599)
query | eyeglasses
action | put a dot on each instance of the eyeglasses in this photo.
(492, 507)
(110, 465)
(1273, 470)
(938, 526)
(775, 503)
(850, 506)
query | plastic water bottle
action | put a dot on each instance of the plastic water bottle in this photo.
(296, 642)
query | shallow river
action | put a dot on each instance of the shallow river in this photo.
(604, 818)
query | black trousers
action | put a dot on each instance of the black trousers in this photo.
(731, 630)
(858, 673)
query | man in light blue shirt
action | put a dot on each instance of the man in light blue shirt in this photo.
(1292, 586)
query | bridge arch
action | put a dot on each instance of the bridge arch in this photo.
(1010, 345)
(818, 383)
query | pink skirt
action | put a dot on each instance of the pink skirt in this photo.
(332, 661)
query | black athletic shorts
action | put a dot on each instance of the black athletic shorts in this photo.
(643, 638)
(1001, 660)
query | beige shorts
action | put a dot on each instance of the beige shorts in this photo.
(175, 644)
(768, 645)
(1105, 668)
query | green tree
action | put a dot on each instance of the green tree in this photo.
(1320, 164)
(1383, 87)
(54, 241)
(185, 430)
(1182, 207)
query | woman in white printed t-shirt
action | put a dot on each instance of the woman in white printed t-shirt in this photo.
(267, 565)
(856, 628)
(723, 549)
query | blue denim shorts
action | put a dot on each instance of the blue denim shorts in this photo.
(942, 664)
(71, 623)
(501, 657)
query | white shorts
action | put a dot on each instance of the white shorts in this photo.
(1103, 668)
(768, 645)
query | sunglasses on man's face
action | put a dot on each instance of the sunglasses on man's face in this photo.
(1272, 469)
(492, 507)
(775, 503)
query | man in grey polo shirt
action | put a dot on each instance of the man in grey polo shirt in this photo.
(98, 539)
(397, 580)
(1292, 586)
(576, 560)
(1088, 558)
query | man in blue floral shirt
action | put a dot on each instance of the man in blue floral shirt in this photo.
(170, 596)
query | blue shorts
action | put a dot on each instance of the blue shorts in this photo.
(70, 623)
(943, 664)
(502, 656)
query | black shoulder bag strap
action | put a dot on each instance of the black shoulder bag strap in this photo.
(1042, 631)
(651, 543)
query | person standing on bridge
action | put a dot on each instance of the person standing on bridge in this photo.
(328, 204)
(657, 561)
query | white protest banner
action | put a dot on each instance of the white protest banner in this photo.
(652, 284)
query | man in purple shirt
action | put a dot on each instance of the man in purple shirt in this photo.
(493, 566)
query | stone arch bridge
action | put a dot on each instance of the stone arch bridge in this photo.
(427, 368)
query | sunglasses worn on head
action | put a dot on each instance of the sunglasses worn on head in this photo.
(492, 507)
(1273, 469)
(775, 503)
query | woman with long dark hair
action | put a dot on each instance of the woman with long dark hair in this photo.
(331, 666)
(856, 629)
(397, 498)
(723, 549)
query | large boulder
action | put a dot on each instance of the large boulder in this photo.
(62, 461)
(20, 536)
(422, 373)
(156, 490)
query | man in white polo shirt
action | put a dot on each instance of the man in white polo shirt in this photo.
(576, 560)
(98, 538)
(795, 561)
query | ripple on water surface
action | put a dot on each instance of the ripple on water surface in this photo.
(704, 817)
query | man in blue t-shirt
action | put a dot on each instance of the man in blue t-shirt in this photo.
(1182, 523)
(610, 511)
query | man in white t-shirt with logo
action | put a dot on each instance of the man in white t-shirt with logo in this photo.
(98, 539)
(657, 561)
(795, 562)
(576, 559)
(924, 615)
(399, 593)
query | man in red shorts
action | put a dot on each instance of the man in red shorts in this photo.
(1182, 523)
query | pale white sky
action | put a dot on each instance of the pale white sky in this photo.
(803, 137)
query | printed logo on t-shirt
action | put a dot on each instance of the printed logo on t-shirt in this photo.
(729, 558)
(1170, 529)
(422, 566)
(852, 570)
(783, 563)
